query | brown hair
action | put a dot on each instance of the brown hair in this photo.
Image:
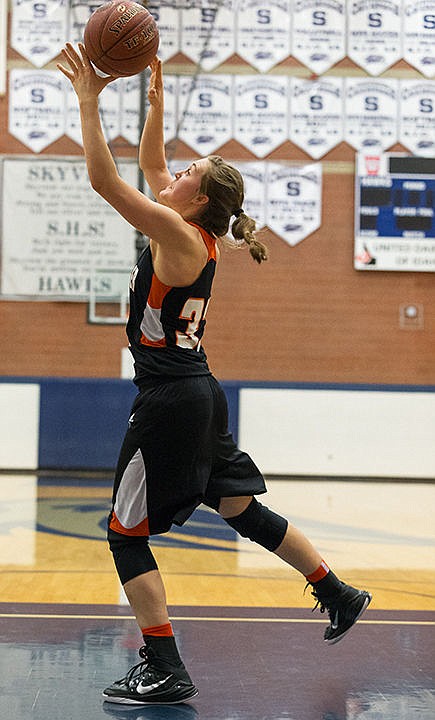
(223, 184)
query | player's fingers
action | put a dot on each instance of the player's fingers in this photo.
(69, 59)
(65, 71)
(70, 51)
(84, 55)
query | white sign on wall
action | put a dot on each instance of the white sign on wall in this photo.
(263, 32)
(260, 112)
(167, 14)
(419, 35)
(371, 113)
(36, 107)
(207, 32)
(316, 114)
(56, 229)
(39, 29)
(417, 116)
(206, 106)
(374, 33)
(319, 33)
(293, 200)
(254, 177)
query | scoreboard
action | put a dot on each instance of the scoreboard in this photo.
(395, 213)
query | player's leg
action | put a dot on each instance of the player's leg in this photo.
(251, 519)
(160, 676)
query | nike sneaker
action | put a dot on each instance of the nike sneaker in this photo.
(343, 609)
(152, 682)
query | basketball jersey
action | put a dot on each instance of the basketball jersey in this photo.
(166, 324)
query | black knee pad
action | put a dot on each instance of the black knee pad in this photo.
(260, 524)
(132, 555)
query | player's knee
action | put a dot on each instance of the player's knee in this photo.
(260, 525)
(132, 555)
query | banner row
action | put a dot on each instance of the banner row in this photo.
(259, 112)
(375, 35)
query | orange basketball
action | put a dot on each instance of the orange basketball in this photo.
(121, 38)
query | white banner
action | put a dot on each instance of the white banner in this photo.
(56, 230)
(73, 128)
(39, 29)
(260, 112)
(419, 35)
(167, 15)
(130, 122)
(205, 111)
(371, 113)
(207, 32)
(417, 116)
(110, 110)
(374, 33)
(36, 107)
(263, 32)
(316, 114)
(254, 177)
(294, 200)
(79, 14)
(319, 33)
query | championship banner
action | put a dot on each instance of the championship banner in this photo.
(110, 110)
(56, 230)
(205, 112)
(394, 213)
(130, 123)
(207, 32)
(417, 116)
(36, 107)
(316, 114)
(254, 177)
(319, 33)
(73, 127)
(170, 119)
(39, 29)
(167, 14)
(260, 112)
(371, 113)
(263, 32)
(374, 30)
(293, 200)
(79, 14)
(419, 35)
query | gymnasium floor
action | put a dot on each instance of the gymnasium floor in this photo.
(243, 623)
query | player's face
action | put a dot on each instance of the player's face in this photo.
(182, 194)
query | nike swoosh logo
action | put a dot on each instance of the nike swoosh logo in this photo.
(144, 689)
(334, 623)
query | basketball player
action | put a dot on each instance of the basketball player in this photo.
(177, 451)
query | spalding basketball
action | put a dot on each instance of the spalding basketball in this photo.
(121, 38)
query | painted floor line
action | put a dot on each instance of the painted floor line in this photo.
(42, 616)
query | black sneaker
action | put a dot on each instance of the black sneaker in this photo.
(343, 609)
(148, 683)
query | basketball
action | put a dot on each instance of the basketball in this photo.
(121, 38)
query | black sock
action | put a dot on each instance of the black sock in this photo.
(163, 649)
(328, 587)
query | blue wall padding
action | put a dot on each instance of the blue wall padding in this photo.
(82, 422)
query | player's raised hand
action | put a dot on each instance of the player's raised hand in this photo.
(81, 73)
(155, 88)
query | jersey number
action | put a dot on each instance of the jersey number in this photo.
(194, 311)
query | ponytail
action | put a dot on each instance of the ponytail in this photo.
(243, 228)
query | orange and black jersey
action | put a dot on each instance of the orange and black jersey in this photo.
(166, 324)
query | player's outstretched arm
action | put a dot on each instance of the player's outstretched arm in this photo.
(152, 158)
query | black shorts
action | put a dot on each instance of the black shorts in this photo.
(176, 454)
